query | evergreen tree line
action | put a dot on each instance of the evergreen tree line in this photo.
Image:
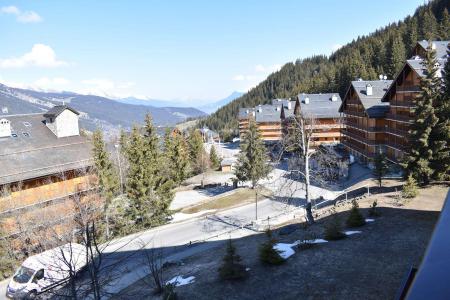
(151, 168)
(382, 52)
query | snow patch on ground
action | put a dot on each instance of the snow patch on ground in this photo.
(350, 232)
(182, 216)
(316, 241)
(285, 250)
(370, 220)
(179, 280)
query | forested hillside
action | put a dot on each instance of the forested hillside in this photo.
(381, 52)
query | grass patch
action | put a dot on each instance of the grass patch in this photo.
(240, 196)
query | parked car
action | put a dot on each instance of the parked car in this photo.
(44, 271)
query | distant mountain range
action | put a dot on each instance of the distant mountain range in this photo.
(96, 112)
(208, 108)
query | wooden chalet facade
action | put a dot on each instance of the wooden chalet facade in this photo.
(381, 122)
(364, 118)
(402, 95)
(44, 163)
(272, 120)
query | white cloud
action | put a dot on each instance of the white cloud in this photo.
(336, 47)
(22, 16)
(40, 56)
(239, 77)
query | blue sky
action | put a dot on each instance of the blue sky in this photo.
(174, 49)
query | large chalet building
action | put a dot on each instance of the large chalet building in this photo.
(378, 114)
(364, 118)
(43, 161)
(402, 95)
(272, 118)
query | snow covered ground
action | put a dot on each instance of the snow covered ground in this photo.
(179, 280)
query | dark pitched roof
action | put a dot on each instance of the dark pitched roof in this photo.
(319, 105)
(267, 113)
(439, 46)
(57, 110)
(36, 152)
(245, 112)
(419, 68)
(373, 105)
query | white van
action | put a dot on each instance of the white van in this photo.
(46, 270)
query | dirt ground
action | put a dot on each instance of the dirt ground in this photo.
(370, 265)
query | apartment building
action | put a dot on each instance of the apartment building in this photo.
(378, 114)
(272, 119)
(43, 161)
(364, 115)
(402, 95)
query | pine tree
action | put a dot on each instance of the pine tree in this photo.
(231, 267)
(410, 188)
(136, 184)
(440, 134)
(429, 25)
(396, 50)
(252, 160)
(267, 254)
(355, 218)
(444, 26)
(417, 161)
(215, 161)
(177, 155)
(196, 151)
(381, 167)
(412, 37)
(106, 174)
(158, 181)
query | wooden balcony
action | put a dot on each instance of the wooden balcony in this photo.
(361, 139)
(364, 128)
(358, 149)
(397, 132)
(355, 113)
(399, 118)
(395, 145)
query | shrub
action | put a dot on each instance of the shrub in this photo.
(355, 218)
(231, 267)
(410, 188)
(169, 292)
(333, 229)
(267, 254)
(308, 237)
(373, 211)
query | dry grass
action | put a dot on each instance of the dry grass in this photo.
(239, 197)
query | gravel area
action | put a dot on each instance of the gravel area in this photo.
(370, 265)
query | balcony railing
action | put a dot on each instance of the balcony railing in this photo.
(360, 138)
(395, 145)
(355, 113)
(358, 149)
(364, 128)
(401, 118)
(399, 132)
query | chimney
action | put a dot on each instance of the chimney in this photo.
(5, 128)
(289, 105)
(334, 98)
(369, 91)
(306, 100)
(433, 45)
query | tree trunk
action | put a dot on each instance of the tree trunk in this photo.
(256, 204)
(309, 215)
